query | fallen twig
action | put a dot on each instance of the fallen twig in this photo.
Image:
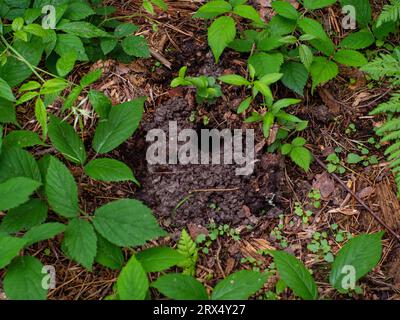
(361, 202)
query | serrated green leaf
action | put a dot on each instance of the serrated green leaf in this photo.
(266, 63)
(101, 104)
(125, 29)
(302, 157)
(248, 12)
(286, 10)
(221, 32)
(24, 217)
(350, 58)
(358, 40)
(80, 242)
(66, 63)
(159, 258)
(66, 140)
(16, 191)
(239, 285)
(5, 91)
(108, 44)
(132, 283)
(122, 122)
(295, 275)
(361, 253)
(18, 163)
(82, 29)
(23, 280)
(78, 11)
(180, 287)
(108, 254)
(318, 4)
(91, 78)
(212, 9)
(136, 46)
(43, 232)
(69, 42)
(322, 70)
(22, 139)
(126, 223)
(9, 249)
(295, 76)
(322, 42)
(7, 112)
(109, 170)
(61, 190)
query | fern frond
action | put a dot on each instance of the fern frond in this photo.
(394, 147)
(392, 106)
(395, 135)
(389, 126)
(386, 65)
(390, 13)
(394, 155)
(188, 248)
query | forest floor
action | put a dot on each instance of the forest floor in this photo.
(254, 213)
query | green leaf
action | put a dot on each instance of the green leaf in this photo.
(91, 77)
(7, 112)
(66, 63)
(265, 63)
(108, 44)
(322, 70)
(295, 76)
(244, 105)
(126, 223)
(306, 56)
(61, 190)
(239, 285)
(295, 275)
(268, 121)
(54, 86)
(248, 12)
(285, 9)
(16, 191)
(358, 40)
(80, 242)
(69, 42)
(362, 9)
(284, 103)
(24, 217)
(125, 29)
(72, 97)
(361, 253)
(234, 79)
(317, 4)
(18, 163)
(108, 254)
(221, 32)
(302, 157)
(15, 71)
(350, 58)
(41, 116)
(159, 258)
(109, 170)
(66, 140)
(187, 247)
(286, 148)
(136, 46)
(9, 249)
(299, 142)
(101, 104)
(5, 91)
(212, 9)
(353, 158)
(23, 280)
(132, 283)
(322, 42)
(78, 11)
(43, 232)
(122, 122)
(82, 29)
(26, 97)
(179, 286)
(22, 139)
(271, 78)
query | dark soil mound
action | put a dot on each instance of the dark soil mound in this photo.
(196, 193)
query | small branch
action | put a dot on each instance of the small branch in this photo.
(362, 203)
